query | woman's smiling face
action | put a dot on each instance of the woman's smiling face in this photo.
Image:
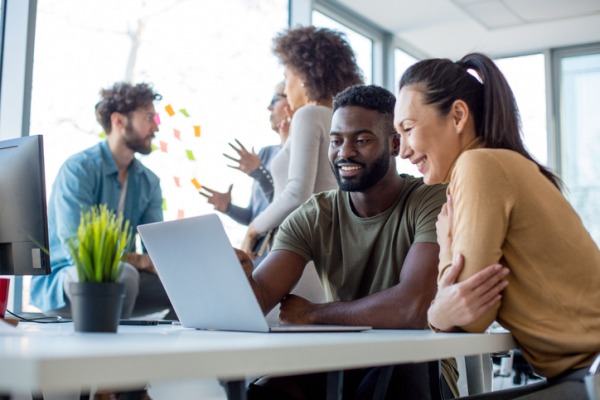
(427, 140)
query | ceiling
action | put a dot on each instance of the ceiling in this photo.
(452, 28)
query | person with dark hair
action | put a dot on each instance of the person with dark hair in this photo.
(318, 63)
(459, 124)
(108, 173)
(373, 244)
(257, 166)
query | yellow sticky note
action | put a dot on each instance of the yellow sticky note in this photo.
(184, 112)
(197, 184)
(153, 147)
(190, 155)
(164, 204)
(197, 130)
(102, 135)
(169, 110)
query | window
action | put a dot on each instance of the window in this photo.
(526, 77)
(362, 45)
(579, 130)
(216, 76)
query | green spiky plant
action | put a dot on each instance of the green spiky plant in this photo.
(99, 245)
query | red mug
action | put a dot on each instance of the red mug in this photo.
(4, 286)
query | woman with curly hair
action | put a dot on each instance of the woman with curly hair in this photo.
(318, 63)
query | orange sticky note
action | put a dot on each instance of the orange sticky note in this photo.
(180, 214)
(196, 184)
(176, 179)
(177, 133)
(169, 110)
(163, 146)
(197, 130)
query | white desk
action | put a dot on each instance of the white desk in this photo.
(53, 358)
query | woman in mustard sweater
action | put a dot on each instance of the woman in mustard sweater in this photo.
(459, 124)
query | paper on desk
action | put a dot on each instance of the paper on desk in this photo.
(8, 329)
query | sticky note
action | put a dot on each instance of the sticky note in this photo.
(190, 155)
(176, 179)
(169, 110)
(102, 135)
(164, 204)
(177, 134)
(180, 214)
(163, 146)
(184, 112)
(196, 184)
(157, 119)
(153, 147)
(197, 130)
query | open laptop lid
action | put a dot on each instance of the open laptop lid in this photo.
(202, 275)
(205, 281)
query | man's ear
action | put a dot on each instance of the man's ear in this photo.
(118, 121)
(395, 144)
(460, 114)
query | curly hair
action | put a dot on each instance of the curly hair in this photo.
(123, 98)
(371, 97)
(321, 57)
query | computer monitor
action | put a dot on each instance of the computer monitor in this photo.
(23, 216)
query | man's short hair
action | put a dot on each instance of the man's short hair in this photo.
(371, 97)
(123, 98)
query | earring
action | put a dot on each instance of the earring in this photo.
(458, 130)
(302, 84)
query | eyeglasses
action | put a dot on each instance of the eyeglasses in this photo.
(276, 98)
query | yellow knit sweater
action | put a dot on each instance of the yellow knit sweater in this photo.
(506, 211)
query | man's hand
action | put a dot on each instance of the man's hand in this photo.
(460, 304)
(443, 226)
(245, 261)
(141, 262)
(250, 241)
(220, 200)
(247, 162)
(296, 310)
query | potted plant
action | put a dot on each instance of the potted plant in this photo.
(97, 250)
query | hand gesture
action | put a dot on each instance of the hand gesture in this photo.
(295, 310)
(459, 304)
(247, 162)
(220, 200)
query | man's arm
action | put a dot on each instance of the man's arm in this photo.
(275, 277)
(401, 306)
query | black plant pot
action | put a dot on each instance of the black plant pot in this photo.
(96, 306)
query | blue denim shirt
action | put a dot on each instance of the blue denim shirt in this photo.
(90, 178)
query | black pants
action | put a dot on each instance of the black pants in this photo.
(409, 381)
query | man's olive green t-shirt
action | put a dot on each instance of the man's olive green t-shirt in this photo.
(354, 256)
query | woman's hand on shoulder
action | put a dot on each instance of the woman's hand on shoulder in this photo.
(458, 304)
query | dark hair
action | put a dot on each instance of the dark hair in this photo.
(321, 57)
(371, 97)
(123, 98)
(477, 81)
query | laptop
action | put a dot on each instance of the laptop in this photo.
(205, 281)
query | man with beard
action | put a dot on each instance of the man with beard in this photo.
(108, 173)
(373, 243)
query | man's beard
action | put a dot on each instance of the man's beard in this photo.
(368, 177)
(134, 142)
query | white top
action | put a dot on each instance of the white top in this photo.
(301, 168)
(51, 357)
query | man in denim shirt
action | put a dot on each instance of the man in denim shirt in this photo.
(108, 173)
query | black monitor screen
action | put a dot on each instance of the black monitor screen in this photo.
(23, 217)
